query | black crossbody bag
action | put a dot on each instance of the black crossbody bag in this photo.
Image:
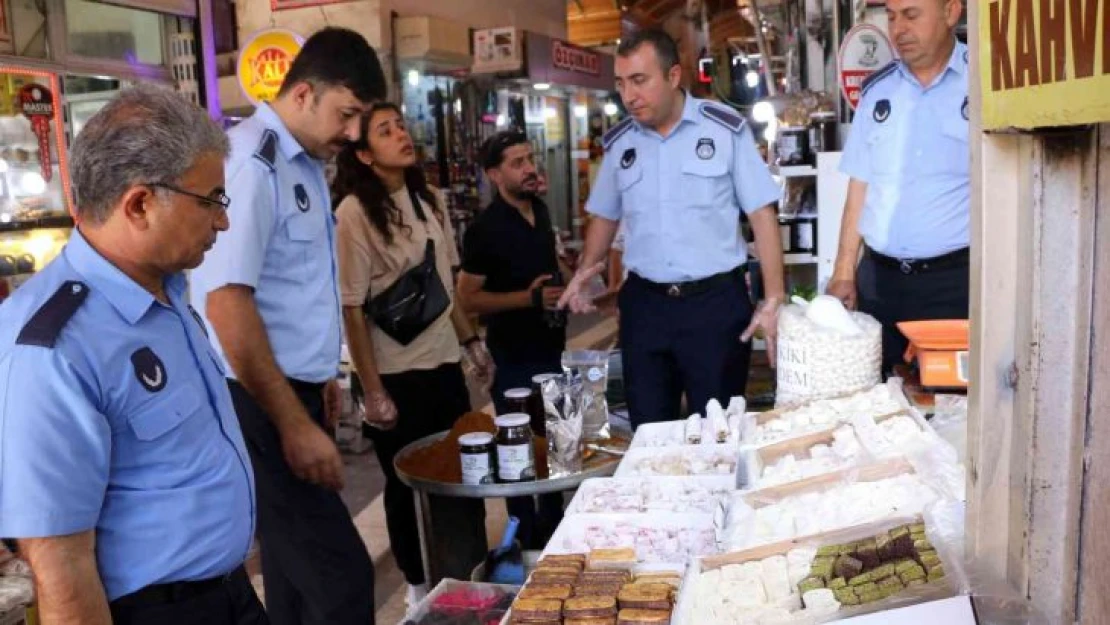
(412, 303)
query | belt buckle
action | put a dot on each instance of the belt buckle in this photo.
(906, 267)
(674, 290)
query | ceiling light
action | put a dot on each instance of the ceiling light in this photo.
(541, 86)
(414, 78)
(580, 110)
(610, 109)
(752, 79)
(763, 112)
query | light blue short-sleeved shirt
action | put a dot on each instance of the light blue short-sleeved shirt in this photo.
(281, 243)
(679, 197)
(115, 416)
(910, 145)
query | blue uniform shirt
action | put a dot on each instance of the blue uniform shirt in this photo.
(679, 197)
(909, 144)
(281, 243)
(115, 416)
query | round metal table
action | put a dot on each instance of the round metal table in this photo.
(600, 465)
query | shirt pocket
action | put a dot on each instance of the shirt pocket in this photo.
(163, 415)
(304, 232)
(882, 152)
(705, 182)
(631, 185)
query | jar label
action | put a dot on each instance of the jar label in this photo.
(476, 469)
(515, 462)
(594, 374)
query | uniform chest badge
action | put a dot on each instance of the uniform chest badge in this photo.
(705, 149)
(628, 158)
(964, 109)
(149, 369)
(882, 110)
(301, 196)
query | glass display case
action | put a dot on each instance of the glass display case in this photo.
(35, 213)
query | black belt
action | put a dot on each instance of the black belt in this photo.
(693, 287)
(306, 388)
(909, 266)
(173, 592)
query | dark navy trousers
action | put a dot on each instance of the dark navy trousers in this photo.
(685, 345)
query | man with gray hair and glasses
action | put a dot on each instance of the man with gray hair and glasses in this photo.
(124, 478)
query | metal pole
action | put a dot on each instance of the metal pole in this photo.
(763, 51)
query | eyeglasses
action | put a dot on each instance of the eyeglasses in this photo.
(222, 200)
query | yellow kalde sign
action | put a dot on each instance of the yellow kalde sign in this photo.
(1044, 62)
(264, 61)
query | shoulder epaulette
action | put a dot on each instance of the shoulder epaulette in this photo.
(267, 149)
(44, 327)
(874, 77)
(616, 132)
(722, 115)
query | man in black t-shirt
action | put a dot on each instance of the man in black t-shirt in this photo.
(512, 277)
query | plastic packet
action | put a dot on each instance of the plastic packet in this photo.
(563, 421)
(590, 370)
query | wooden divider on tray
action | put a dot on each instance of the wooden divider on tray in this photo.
(864, 473)
(828, 537)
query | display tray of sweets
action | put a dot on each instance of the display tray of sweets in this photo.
(892, 435)
(702, 494)
(800, 458)
(845, 498)
(597, 587)
(823, 578)
(680, 461)
(718, 426)
(454, 602)
(781, 424)
(654, 538)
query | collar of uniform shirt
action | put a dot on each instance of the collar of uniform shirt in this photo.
(126, 296)
(289, 145)
(955, 64)
(689, 114)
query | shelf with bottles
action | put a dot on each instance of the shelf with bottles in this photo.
(24, 252)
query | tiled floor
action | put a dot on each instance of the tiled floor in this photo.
(363, 495)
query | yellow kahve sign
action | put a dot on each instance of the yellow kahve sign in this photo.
(1044, 62)
(263, 62)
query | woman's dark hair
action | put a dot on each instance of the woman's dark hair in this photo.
(353, 177)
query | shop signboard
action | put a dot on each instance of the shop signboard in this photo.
(866, 48)
(558, 62)
(575, 59)
(263, 62)
(1044, 64)
(498, 50)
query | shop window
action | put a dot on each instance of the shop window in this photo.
(104, 31)
(23, 29)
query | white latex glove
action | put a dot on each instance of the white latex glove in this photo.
(379, 411)
(575, 298)
(766, 318)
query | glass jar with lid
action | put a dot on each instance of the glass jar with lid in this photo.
(516, 459)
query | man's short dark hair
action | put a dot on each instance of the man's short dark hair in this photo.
(665, 47)
(338, 57)
(493, 150)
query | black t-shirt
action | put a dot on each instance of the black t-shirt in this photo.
(511, 253)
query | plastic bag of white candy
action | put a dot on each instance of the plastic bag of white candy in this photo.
(827, 355)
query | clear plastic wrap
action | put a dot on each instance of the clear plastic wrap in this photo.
(657, 537)
(563, 414)
(651, 494)
(800, 458)
(688, 460)
(591, 369)
(943, 527)
(846, 498)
